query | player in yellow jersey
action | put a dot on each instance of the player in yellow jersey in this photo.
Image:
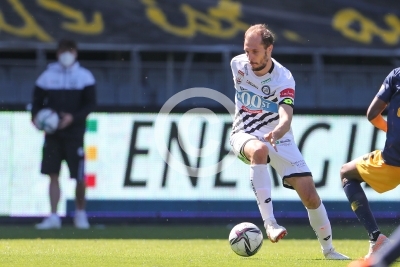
(381, 168)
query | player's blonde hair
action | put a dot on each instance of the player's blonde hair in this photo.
(267, 37)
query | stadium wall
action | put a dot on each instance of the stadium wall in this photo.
(177, 166)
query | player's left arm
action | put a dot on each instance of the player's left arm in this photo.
(89, 104)
(40, 95)
(88, 100)
(286, 96)
(374, 114)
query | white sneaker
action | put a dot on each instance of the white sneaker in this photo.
(81, 220)
(275, 232)
(51, 222)
(332, 254)
(374, 246)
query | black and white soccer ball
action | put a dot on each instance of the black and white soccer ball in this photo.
(245, 239)
(47, 120)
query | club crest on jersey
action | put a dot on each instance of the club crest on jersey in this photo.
(267, 90)
(239, 77)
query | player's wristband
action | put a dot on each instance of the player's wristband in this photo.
(380, 123)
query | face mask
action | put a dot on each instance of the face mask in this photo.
(66, 59)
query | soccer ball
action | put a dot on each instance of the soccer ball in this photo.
(245, 239)
(47, 120)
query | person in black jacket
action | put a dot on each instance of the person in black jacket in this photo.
(69, 89)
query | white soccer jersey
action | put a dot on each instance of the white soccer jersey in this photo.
(257, 98)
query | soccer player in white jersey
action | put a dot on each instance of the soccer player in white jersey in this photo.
(262, 134)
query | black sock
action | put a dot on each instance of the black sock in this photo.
(359, 204)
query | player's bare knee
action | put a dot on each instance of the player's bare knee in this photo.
(343, 174)
(54, 177)
(311, 200)
(259, 153)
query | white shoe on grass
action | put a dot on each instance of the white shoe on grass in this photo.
(51, 222)
(81, 220)
(275, 232)
(377, 245)
(332, 254)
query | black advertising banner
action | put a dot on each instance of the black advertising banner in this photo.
(306, 23)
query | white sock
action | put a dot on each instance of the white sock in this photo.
(261, 183)
(80, 212)
(322, 227)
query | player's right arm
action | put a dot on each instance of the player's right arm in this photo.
(38, 99)
(374, 114)
(39, 94)
(381, 100)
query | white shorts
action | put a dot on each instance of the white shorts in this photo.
(288, 161)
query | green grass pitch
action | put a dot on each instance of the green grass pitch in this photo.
(175, 245)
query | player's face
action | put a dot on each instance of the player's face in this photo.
(257, 54)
